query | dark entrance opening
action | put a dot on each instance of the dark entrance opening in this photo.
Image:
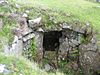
(51, 40)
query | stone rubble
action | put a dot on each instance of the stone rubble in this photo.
(3, 70)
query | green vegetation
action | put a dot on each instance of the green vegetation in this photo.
(61, 10)
(66, 10)
(22, 66)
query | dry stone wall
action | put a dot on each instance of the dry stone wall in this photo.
(70, 42)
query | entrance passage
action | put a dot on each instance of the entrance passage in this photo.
(51, 40)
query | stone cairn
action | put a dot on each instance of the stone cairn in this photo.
(74, 36)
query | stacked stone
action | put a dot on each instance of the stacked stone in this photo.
(75, 38)
(29, 34)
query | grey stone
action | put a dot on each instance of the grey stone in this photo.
(40, 29)
(24, 15)
(64, 45)
(6, 49)
(3, 69)
(23, 26)
(3, 2)
(1, 24)
(66, 26)
(16, 31)
(13, 16)
(73, 42)
(90, 61)
(17, 47)
(28, 37)
(88, 47)
(93, 40)
(39, 45)
(35, 23)
(47, 67)
(97, 0)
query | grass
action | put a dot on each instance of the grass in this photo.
(68, 10)
(22, 66)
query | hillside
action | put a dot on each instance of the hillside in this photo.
(52, 12)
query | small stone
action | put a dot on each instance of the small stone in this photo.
(16, 31)
(2, 68)
(23, 26)
(30, 36)
(34, 23)
(1, 24)
(3, 2)
(40, 29)
(47, 67)
(24, 15)
(16, 47)
(66, 26)
(13, 16)
(73, 42)
(6, 72)
(87, 24)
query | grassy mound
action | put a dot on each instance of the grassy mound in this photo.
(66, 10)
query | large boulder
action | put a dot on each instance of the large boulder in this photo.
(89, 59)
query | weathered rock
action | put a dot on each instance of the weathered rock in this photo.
(40, 30)
(73, 42)
(22, 23)
(4, 70)
(89, 58)
(35, 23)
(24, 15)
(3, 2)
(47, 67)
(90, 61)
(64, 46)
(88, 47)
(1, 24)
(72, 65)
(28, 37)
(17, 47)
(65, 26)
(16, 31)
(39, 45)
(13, 16)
